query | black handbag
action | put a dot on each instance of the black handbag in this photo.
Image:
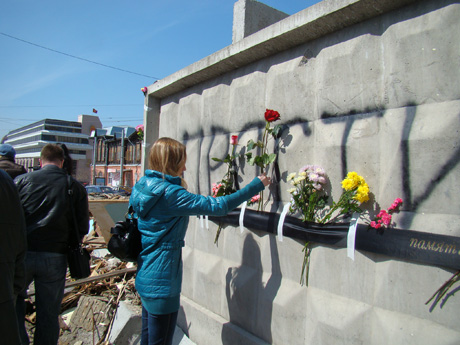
(77, 257)
(125, 242)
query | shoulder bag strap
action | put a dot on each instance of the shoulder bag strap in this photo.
(74, 220)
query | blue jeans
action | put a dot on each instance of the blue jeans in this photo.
(158, 329)
(48, 271)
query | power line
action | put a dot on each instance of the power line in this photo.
(77, 57)
(71, 105)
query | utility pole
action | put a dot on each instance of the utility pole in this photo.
(122, 156)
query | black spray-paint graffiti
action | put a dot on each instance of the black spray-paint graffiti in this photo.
(411, 201)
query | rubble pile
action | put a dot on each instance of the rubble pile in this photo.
(89, 305)
(107, 196)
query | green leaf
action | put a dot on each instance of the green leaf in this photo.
(251, 144)
(248, 156)
(217, 160)
(251, 161)
(268, 159)
(258, 160)
(276, 131)
(228, 159)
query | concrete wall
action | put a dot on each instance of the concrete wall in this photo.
(250, 16)
(365, 86)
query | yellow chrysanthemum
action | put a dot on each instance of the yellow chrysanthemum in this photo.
(361, 197)
(362, 193)
(291, 190)
(352, 181)
(303, 173)
(352, 175)
(348, 184)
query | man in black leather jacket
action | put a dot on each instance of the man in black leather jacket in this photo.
(12, 254)
(46, 203)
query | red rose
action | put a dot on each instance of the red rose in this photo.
(271, 115)
(234, 140)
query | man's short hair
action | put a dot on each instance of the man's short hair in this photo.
(52, 153)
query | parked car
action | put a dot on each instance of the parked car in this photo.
(102, 189)
(123, 190)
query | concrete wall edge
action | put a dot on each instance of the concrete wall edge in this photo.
(318, 20)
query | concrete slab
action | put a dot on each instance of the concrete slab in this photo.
(127, 327)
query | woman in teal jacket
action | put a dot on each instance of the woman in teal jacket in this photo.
(163, 206)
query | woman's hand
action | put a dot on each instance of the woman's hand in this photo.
(265, 179)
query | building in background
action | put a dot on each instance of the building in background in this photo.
(30, 139)
(117, 155)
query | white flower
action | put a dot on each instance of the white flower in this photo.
(291, 176)
(299, 179)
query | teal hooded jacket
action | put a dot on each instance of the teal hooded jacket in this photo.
(163, 208)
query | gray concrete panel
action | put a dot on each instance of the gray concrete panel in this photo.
(361, 86)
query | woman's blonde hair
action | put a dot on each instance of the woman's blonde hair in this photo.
(168, 156)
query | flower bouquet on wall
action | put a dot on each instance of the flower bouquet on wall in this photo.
(308, 198)
(384, 217)
(264, 159)
(228, 184)
(140, 132)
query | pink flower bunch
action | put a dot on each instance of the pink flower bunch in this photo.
(383, 218)
(140, 132)
(395, 205)
(215, 189)
(315, 174)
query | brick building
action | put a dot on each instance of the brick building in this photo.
(113, 162)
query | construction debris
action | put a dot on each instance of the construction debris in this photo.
(89, 305)
(107, 196)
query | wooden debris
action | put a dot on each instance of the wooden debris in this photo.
(110, 196)
(95, 297)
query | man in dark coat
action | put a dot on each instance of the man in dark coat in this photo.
(50, 228)
(12, 254)
(7, 163)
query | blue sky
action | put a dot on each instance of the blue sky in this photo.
(151, 38)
